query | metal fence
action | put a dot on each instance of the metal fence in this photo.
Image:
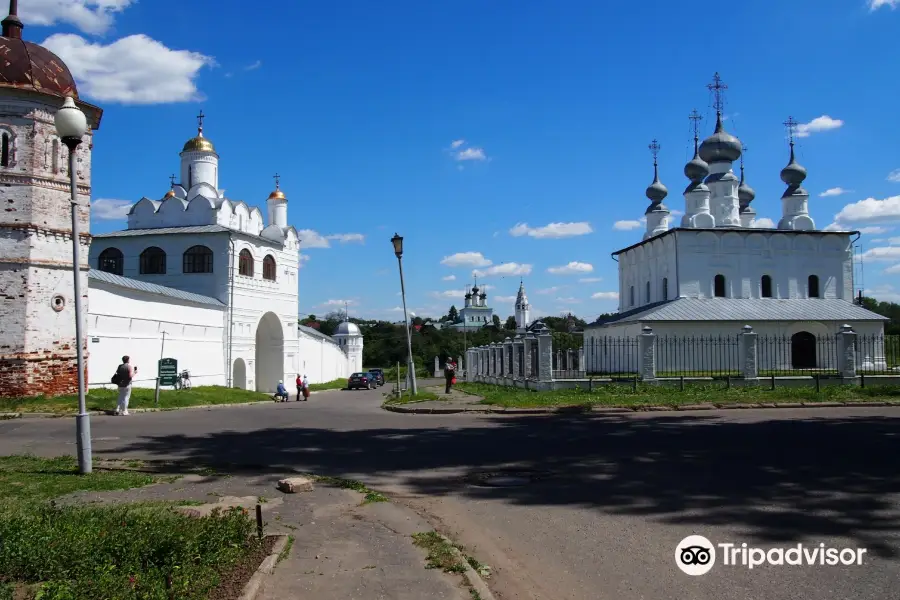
(720, 356)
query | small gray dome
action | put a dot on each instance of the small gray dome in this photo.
(657, 192)
(347, 328)
(746, 194)
(721, 146)
(793, 173)
(656, 207)
(696, 169)
(746, 209)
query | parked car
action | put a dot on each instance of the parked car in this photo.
(362, 381)
(379, 375)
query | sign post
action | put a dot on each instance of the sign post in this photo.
(167, 374)
(162, 349)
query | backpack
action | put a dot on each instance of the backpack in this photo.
(121, 377)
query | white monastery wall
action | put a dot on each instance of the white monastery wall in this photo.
(130, 322)
(322, 360)
(653, 263)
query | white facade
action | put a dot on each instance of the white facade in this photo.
(195, 240)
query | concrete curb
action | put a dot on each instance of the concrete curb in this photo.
(578, 409)
(102, 413)
(471, 575)
(252, 588)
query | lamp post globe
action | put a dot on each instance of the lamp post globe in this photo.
(397, 241)
(71, 123)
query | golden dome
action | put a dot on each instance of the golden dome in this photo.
(170, 194)
(198, 144)
(277, 195)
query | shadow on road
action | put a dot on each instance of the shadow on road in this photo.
(780, 480)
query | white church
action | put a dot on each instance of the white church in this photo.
(198, 277)
(716, 271)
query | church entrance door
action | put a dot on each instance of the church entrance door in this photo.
(269, 353)
(239, 374)
(803, 350)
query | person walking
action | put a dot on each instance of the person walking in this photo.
(305, 388)
(449, 374)
(123, 378)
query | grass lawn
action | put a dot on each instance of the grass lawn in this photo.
(105, 399)
(652, 395)
(87, 552)
(422, 396)
(336, 384)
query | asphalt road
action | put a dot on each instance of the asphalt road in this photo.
(604, 499)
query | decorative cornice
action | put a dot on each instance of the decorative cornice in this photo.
(66, 233)
(49, 264)
(44, 182)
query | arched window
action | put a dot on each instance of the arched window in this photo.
(55, 156)
(269, 268)
(766, 284)
(111, 261)
(4, 150)
(648, 292)
(719, 286)
(665, 290)
(153, 261)
(197, 259)
(813, 286)
(245, 263)
(631, 296)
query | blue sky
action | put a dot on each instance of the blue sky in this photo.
(505, 136)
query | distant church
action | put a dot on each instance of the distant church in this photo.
(717, 271)
(475, 312)
(195, 276)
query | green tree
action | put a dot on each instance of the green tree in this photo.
(453, 315)
(496, 321)
(510, 323)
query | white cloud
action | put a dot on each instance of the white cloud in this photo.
(449, 294)
(894, 176)
(466, 259)
(895, 270)
(605, 296)
(505, 269)
(552, 230)
(817, 125)
(568, 300)
(885, 253)
(504, 299)
(883, 293)
(303, 258)
(345, 238)
(835, 191)
(626, 225)
(456, 144)
(894, 241)
(764, 223)
(590, 279)
(573, 268)
(874, 230)
(105, 209)
(870, 210)
(549, 290)
(471, 154)
(253, 66)
(337, 302)
(90, 16)
(133, 70)
(449, 278)
(876, 4)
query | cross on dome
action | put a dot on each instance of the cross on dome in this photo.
(717, 88)
(200, 122)
(791, 124)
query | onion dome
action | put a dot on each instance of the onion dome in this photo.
(656, 192)
(696, 169)
(199, 143)
(170, 194)
(656, 207)
(793, 174)
(721, 146)
(28, 66)
(746, 194)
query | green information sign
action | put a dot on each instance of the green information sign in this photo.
(168, 371)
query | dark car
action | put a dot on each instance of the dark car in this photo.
(362, 381)
(379, 375)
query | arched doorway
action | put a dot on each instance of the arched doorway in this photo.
(269, 353)
(239, 374)
(803, 350)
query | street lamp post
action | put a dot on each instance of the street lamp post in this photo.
(71, 125)
(397, 241)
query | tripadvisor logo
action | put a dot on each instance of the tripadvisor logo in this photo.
(696, 555)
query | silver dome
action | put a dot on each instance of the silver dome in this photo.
(347, 328)
(696, 169)
(746, 194)
(656, 207)
(656, 191)
(793, 173)
(721, 146)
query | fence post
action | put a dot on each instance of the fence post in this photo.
(516, 349)
(648, 354)
(848, 355)
(749, 355)
(545, 353)
(581, 366)
(527, 343)
(437, 366)
(461, 366)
